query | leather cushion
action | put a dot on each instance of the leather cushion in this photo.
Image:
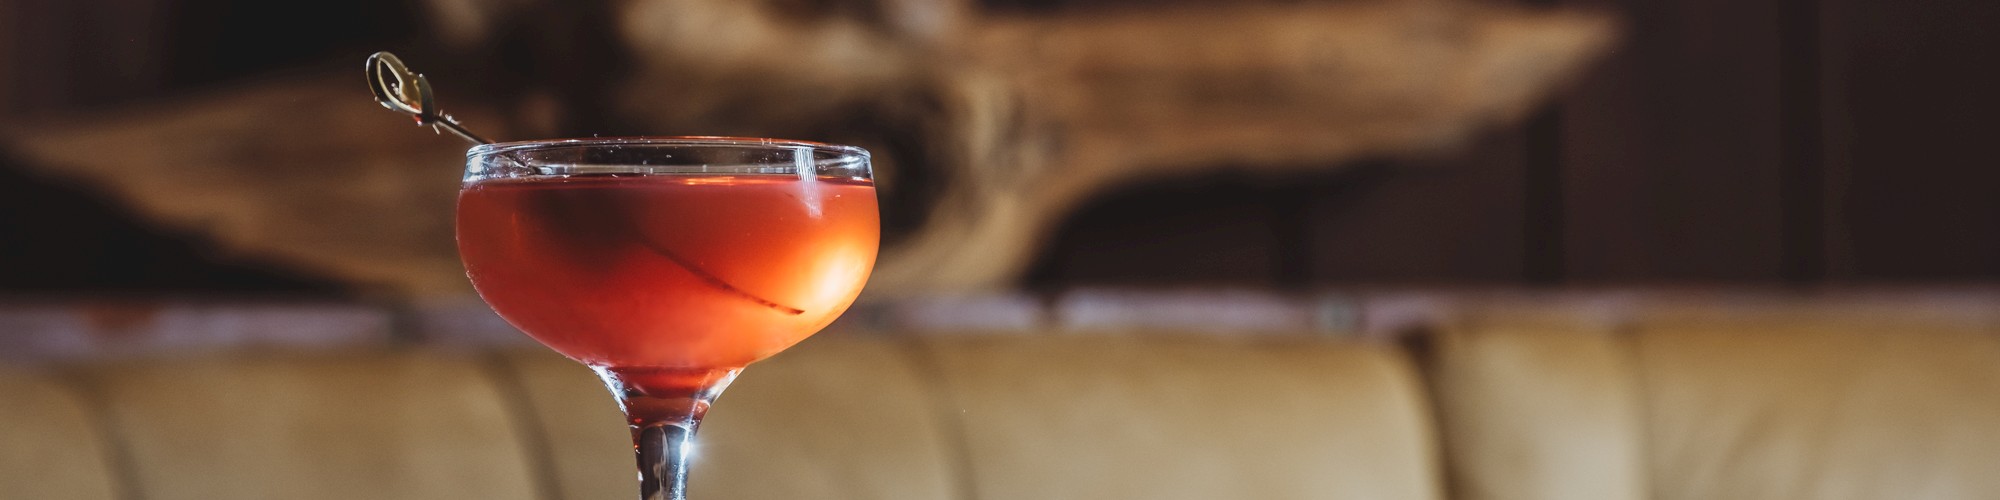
(1187, 418)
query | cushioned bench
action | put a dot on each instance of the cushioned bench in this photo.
(1502, 403)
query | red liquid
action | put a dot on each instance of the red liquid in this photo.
(668, 280)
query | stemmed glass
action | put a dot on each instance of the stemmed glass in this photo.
(667, 264)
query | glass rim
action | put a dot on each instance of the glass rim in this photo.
(664, 140)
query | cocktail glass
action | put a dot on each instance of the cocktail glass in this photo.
(667, 264)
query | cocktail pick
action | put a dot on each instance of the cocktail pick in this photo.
(408, 92)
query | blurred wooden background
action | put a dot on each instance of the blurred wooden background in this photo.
(1762, 142)
(1759, 141)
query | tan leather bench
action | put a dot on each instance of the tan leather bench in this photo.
(1505, 404)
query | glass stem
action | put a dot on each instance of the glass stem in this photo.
(663, 459)
(664, 408)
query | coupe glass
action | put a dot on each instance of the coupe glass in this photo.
(667, 264)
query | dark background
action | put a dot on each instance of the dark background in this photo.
(1759, 142)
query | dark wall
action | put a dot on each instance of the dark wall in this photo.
(1726, 141)
(65, 55)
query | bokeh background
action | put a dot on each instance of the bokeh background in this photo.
(1480, 249)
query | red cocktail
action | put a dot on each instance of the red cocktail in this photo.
(667, 264)
(668, 273)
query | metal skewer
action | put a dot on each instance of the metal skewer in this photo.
(408, 92)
